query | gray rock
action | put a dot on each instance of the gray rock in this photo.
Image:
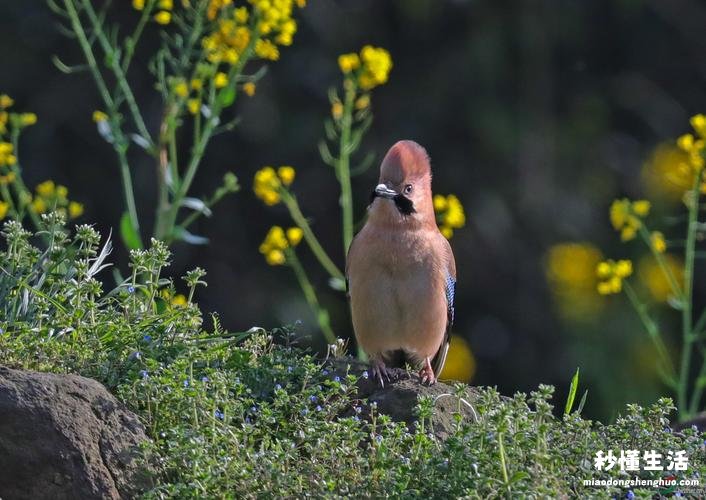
(399, 397)
(66, 437)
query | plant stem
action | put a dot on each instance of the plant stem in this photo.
(120, 142)
(310, 295)
(291, 203)
(687, 337)
(651, 329)
(678, 293)
(343, 164)
(113, 58)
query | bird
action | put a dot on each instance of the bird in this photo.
(401, 271)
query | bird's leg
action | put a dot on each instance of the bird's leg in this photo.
(379, 371)
(426, 374)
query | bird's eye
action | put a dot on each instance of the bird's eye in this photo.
(408, 189)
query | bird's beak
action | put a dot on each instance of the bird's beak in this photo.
(385, 192)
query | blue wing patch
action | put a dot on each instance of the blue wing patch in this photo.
(450, 295)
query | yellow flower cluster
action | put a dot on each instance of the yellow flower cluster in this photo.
(269, 22)
(16, 119)
(659, 244)
(164, 9)
(626, 215)
(449, 213)
(277, 241)
(7, 158)
(371, 67)
(612, 274)
(694, 146)
(268, 182)
(49, 196)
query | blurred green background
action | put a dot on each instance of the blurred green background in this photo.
(537, 114)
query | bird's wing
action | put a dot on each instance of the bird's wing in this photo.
(450, 291)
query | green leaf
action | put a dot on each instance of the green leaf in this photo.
(582, 402)
(572, 393)
(130, 236)
(227, 96)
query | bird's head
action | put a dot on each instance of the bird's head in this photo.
(403, 192)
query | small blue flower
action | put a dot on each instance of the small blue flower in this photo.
(668, 430)
(358, 409)
(144, 374)
(289, 369)
(366, 375)
(630, 495)
(378, 438)
(253, 409)
(356, 418)
(204, 379)
(131, 289)
(247, 420)
(313, 398)
(135, 355)
(186, 383)
(336, 378)
(318, 408)
(218, 414)
(304, 411)
(147, 338)
(278, 387)
(324, 372)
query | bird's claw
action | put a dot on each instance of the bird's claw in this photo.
(426, 374)
(379, 371)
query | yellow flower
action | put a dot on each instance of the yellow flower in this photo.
(181, 89)
(668, 173)
(266, 50)
(7, 158)
(348, 62)
(275, 257)
(612, 274)
(653, 276)
(286, 174)
(450, 214)
(138, 4)
(196, 83)
(39, 206)
(4, 207)
(699, 124)
(75, 209)
(220, 80)
(440, 203)
(625, 216)
(193, 105)
(267, 185)
(178, 300)
(9, 178)
(27, 119)
(362, 102)
(294, 235)
(377, 64)
(6, 101)
(45, 189)
(337, 110)
(214, 6)
(249, 89)
(658, 242)
(163, 17)
(273, 246)
(460, 362)
(166, 4)
(99, 116)
(241, 15)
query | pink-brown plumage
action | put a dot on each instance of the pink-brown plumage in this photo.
(398, 269)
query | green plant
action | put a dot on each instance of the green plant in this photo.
(199, 71)
(629, 219)
(251, 412)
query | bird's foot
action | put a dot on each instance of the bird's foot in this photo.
(426, 374)
(380, 371)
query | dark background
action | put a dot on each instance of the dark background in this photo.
(535, 113)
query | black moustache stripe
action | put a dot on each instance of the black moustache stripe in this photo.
(403, 204)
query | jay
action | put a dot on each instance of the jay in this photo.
(401, 272)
